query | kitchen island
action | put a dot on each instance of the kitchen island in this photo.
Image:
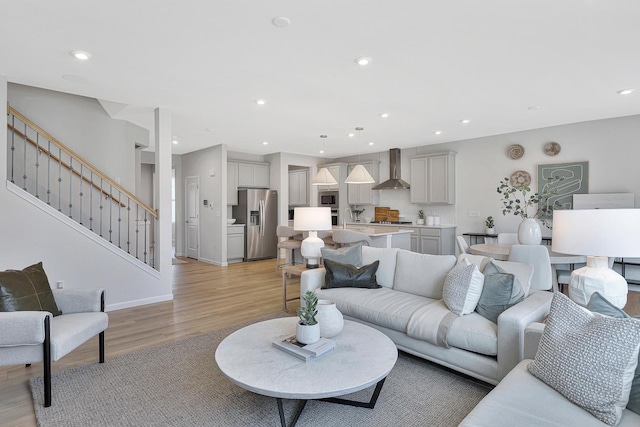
(386, 237)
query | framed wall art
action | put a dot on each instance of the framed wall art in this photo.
(576, 181)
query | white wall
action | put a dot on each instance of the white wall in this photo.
(83, 125)
(31, 234)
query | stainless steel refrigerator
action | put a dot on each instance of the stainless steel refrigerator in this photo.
(259, 210)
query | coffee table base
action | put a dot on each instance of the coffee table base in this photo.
(369, 405)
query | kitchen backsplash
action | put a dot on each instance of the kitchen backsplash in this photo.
(401, 200)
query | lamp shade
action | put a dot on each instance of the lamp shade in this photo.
(312, 219)
(597, 232)
(360, 175)
(324, 177)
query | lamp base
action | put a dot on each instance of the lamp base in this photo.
(598, 277)
(310, 249)
(311, 266)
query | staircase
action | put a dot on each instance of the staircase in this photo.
(64, 181)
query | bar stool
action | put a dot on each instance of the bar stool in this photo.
(290, 243)
(350, 237)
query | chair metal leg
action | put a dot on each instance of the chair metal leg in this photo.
(46, 362)
(28, 365)
(101, 346)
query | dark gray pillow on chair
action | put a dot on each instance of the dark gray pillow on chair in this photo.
(27, 290)
(501, 290)
(340, 275)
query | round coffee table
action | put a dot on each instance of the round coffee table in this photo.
(363, 356)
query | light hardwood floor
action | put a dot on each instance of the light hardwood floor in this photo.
(206, 298)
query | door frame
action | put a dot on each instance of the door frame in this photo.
(186, 216)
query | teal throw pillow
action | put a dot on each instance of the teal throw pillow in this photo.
(501, 290)
(599, 304)
(338, 275)
(351, 255)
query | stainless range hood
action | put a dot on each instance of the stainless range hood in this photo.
(395, 182)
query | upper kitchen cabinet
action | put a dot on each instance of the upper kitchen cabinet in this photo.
(299, 187)
(433, 179)
(232, 183)
(362, 194)
(253, 175)
(335, 170)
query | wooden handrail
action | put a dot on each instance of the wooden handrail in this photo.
(74, 155)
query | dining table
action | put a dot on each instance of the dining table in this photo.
(500, 251)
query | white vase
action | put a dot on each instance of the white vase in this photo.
(420, 221)
(529, 232)
(490, 231)
(329, 318)
(307, 334)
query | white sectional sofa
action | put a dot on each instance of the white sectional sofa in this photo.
(476, 346)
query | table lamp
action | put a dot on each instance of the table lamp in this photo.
(312, 220)
(598, 234)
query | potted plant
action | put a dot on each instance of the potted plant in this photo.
(420, 220)
(489, 224)
(356, 213)
(531, 207)
(307, 328)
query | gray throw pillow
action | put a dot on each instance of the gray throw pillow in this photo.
(27, 290)
(351, 255)
(599, 304)
(588, 358)
(462, 288)
(338, 275)
(501, 290)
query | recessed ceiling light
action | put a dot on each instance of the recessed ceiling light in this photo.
(625, 91)
(265, 143)
(438, 132)
(175, 141)
(363, 60)
(465, 121)
(384, 115)
(80, 54)
(281, 21)
(371, 143)
(260, 101)
(351, 135)
(321, 151)
(533, 107)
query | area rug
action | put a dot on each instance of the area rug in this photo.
(179, 384)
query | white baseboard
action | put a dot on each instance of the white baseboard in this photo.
(210, 261)
(139, 302)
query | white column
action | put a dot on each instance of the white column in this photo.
(163, 187)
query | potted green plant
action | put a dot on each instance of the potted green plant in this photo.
(420, 220)
(307, 328)
(489, 224)
(356, 213)
(531, 207)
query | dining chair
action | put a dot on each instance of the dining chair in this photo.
(509, 238)
(538, 256)
(350, 237)
(463, 247)
(292, 242)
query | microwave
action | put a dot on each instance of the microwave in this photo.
(328, 199)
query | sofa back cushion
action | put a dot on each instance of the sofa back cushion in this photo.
(351, 255)
(422, 274)
(387, 267)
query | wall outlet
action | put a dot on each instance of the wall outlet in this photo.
(59, 284)
(474, 213)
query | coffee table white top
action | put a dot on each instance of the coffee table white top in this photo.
(362, 357)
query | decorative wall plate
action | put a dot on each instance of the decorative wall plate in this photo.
(520, 178)
(515, 151)
(551, 148)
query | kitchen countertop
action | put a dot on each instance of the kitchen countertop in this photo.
(413, 226)
(373, 231)
(236, 225)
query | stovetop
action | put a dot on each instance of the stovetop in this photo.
(391, 222)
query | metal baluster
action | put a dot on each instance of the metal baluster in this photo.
(119, 217)
(81, 171)
(59, 179)
(49, 172)
(110, 212)
(145, 236)
(24, 177)
(91, 190)
(137, 228)
(153, 242)
(128, 224)
(70, 186)
(37, 162)
(101, 206)
(13, 147)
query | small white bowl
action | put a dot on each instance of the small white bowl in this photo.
(231, 221)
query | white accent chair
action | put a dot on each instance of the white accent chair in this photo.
(349, 237)
(538, 256)
(463, 246)
(28, 337)
(508, 238)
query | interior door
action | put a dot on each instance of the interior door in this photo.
(192, 216)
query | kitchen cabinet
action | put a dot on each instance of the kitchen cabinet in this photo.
(433, 179)
(235, 243)
(436, 241)
(362, 194)
(299, 187)
(253, 175)
(232, 183)
(334, 169)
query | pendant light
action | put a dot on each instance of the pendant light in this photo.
(359, 174)
(323, 177)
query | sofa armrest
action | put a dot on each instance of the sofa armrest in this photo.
(532, 335)
(511, 326)
(311, 280)
(79, 300)
(22, 328)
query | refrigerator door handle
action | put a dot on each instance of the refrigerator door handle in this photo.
(262, 217)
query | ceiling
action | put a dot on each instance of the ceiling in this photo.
(434, 63)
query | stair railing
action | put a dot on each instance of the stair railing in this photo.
(55, 174)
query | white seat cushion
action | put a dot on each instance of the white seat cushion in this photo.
(474, 333)
(68, 331)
